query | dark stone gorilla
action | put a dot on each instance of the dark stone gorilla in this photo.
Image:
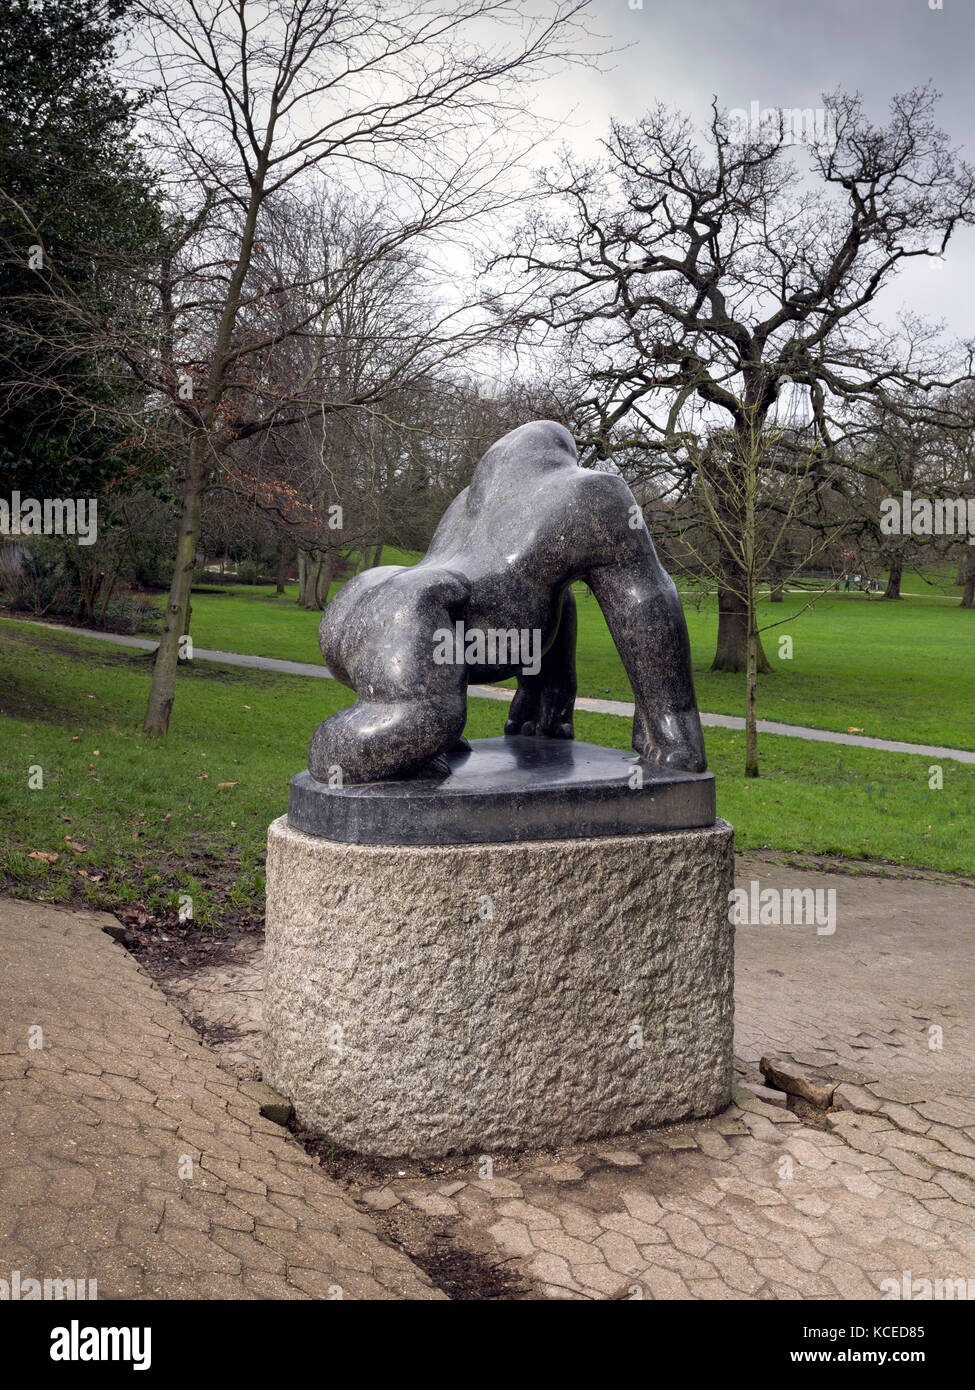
(502, 560)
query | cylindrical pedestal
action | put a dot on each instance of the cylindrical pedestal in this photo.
(430, 999)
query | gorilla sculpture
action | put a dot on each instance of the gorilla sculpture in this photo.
(492, 599)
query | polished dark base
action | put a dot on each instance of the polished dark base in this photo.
(508, 789)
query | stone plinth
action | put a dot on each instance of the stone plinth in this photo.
(428, 999)
(511, 788)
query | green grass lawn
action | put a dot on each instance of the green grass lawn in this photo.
(137, 822)
(902, 670)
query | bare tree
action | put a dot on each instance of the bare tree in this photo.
(695, 282)
(403, 105)
(383, 468)
(956, 454)
(763, 537)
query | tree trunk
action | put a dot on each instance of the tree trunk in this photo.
(775, 583)
(163, 690)
(91, 582)
(108, 591)
(282, 566)
(314, 578)
(377, 555)
(313, 570)
(732, 648)
(893, 589)
(968, 597)
(751, 725)
(323, 581)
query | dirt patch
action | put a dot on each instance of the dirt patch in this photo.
(169, 948)
(460, 1271)
(216, 1034)
(365, 1171)
(808, 1113)
(850, 868)
(463, 1274)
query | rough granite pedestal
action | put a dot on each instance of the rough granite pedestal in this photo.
(428, 999)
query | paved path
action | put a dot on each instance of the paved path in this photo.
(129, 1155)
(757, 1203)
(900, 964)
(760, 1202)
(149, 644)
(765, 726)
(487, 692)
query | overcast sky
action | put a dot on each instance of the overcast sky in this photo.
(787, 53)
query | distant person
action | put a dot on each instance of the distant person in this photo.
(846, 584)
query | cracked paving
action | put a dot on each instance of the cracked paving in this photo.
(769, 1200)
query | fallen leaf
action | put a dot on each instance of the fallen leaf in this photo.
(40, 854)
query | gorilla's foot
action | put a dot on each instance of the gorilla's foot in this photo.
(433, 771)
(376, 741)
(670, 739)
(541, 708)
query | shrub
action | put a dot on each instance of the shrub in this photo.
(133, 614)
(43, 583)
(153, 570)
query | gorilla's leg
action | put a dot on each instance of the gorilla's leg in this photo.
(411, 709)
(645, 618)
(378, 740)
(644, 615)
(543, 703)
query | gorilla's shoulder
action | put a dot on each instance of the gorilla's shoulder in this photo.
(537, 447)
(540, 434)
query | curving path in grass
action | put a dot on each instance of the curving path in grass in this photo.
(621, 708)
